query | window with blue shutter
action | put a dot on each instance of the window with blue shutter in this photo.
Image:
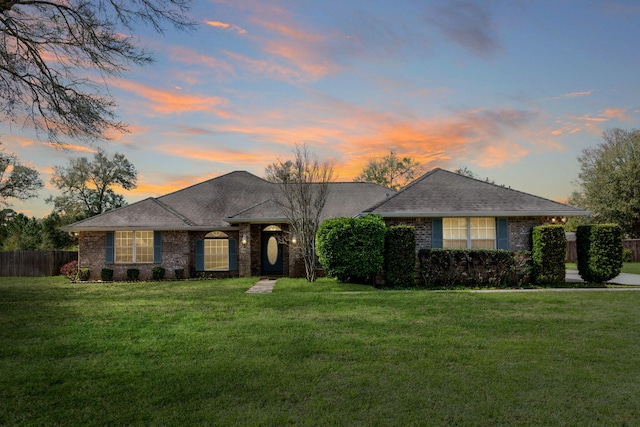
(502, 233)
(157, 247)
(233, 255)
(436, 233)
(199, 255)
(109, 247)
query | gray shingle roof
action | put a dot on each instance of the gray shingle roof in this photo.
(443, 193)
(136, 215)
(236, 197)
(223, 201)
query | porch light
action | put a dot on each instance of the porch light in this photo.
(244, 239)
(294, 240)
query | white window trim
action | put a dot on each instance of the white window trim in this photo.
(469, 239)
(134, 249)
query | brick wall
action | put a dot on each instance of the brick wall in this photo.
(519, 231)
(422, 226)
(178, 252)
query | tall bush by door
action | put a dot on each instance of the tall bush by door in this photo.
(549, 252)
(352, 249)
(600, 250)
(400, 256)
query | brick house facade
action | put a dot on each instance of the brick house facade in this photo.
(234, 226)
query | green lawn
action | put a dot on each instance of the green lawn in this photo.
(206, 353)
(627, 267)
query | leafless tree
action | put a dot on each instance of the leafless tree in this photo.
(50, 51)
(303, 190)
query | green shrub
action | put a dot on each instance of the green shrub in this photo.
(179, 273)
(522, 269)
(106, 275)
(133, 274)
(352, 249)
(627, 255)
(70, 270)
(549, 253)
(466, 267)
(400, 256)
(84, 274)
(599, 248)
(157, 273)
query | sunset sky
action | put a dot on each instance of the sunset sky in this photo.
(513, 90)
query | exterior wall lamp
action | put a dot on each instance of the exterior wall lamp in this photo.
(294, 239)
(244, 239)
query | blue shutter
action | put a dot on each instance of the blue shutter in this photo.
(109, 247)
(502, 233)
(436, 233)
(233, 255)
(157, 247)
(199, 255)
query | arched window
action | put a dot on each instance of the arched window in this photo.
(216, 251)
(272, 228)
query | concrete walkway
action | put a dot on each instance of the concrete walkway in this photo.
(572, 276)
(263, 286)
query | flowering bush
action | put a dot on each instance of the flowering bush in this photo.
(70, 270)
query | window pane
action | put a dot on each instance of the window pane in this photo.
(455, 244)
(123, 246)
(483, 233)
(216, 254)
(454, 228)
(144, 246)
(483, 244)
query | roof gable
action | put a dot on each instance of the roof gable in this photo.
(209, 202)
(135, 215)
(443, 193)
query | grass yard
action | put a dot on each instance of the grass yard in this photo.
(627, 267)
(206, 353)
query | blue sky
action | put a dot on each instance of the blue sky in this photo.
(513, 90)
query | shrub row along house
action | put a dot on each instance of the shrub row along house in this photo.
(233, 225)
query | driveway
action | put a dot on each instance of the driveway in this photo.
(572, 276)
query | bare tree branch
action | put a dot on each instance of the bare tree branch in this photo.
(304, 185)
(47, 47)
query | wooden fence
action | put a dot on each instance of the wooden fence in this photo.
(633, 244)
(34, 263)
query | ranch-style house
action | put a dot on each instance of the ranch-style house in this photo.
(233, 225)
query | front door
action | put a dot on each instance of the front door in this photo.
(271, 253)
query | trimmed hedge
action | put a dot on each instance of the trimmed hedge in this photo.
(549, 253)
(400, 256)
(133, 274)
(600, 250)
(473, 267)
(106, 275)
(352, 249)
(157, 273)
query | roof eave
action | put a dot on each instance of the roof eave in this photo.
(238, 220)
(150, 227)
(480, 214)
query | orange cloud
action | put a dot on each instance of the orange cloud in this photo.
(219, 155)
(617, 113)
(226, 26)
(171, 102)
